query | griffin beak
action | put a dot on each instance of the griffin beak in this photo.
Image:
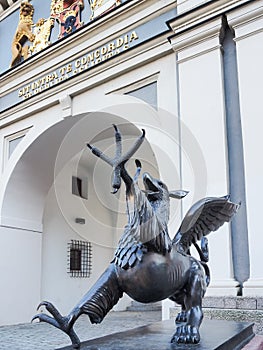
(179, 194)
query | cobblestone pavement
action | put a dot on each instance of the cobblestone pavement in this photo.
(41, 336)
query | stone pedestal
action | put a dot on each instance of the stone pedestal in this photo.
(215, 335)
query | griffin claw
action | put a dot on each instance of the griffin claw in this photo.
(63, 323)
(186, 335)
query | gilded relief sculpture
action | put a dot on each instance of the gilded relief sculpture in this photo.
(23, 34)
(31, 38)
(99, 7)
(42, 31)
(68, 15)
(148, 265)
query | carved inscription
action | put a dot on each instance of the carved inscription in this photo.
(79, 65)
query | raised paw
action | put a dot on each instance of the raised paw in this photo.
(181, 317)
(186, 334)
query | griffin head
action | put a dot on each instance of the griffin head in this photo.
(159, 196)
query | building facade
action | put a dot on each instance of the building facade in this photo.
(189, 72)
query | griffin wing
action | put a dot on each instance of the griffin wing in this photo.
(203, 217)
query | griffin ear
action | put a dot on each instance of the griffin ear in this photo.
(178, 194)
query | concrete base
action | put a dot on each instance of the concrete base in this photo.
(215, 335)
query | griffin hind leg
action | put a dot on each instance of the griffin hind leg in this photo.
(98, 301)
(188, 333)
(182, 315)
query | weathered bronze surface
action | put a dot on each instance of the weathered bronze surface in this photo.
(148, 265)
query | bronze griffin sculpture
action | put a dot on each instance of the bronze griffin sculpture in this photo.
(148, 265)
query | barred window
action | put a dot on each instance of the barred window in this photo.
(79, 258)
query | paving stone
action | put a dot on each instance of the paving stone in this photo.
(42, 336)
(255, 344)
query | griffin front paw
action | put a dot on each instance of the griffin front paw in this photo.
(186, 335)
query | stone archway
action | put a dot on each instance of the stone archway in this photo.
(25, 198)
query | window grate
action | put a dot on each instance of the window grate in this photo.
(79, 258)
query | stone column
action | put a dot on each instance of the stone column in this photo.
(247, 25)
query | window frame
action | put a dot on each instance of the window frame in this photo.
(9, 138)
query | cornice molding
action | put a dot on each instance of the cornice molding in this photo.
(200, 30)
(6, 11)
(246, 21)
(204, 13)
(198, 41)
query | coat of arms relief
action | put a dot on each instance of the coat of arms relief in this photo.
(31, 38)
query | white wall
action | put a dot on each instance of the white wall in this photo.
(20, 270)
(57, 286)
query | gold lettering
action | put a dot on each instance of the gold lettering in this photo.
(24, 91)
(133, 36)
(83, 60)
(77, 63)
(90, 57)
(104, 50)
(119, 42)
(36, 84)
(49, 78)
(69, 68)
(111, 47)
(62, 70)
(40, 82)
